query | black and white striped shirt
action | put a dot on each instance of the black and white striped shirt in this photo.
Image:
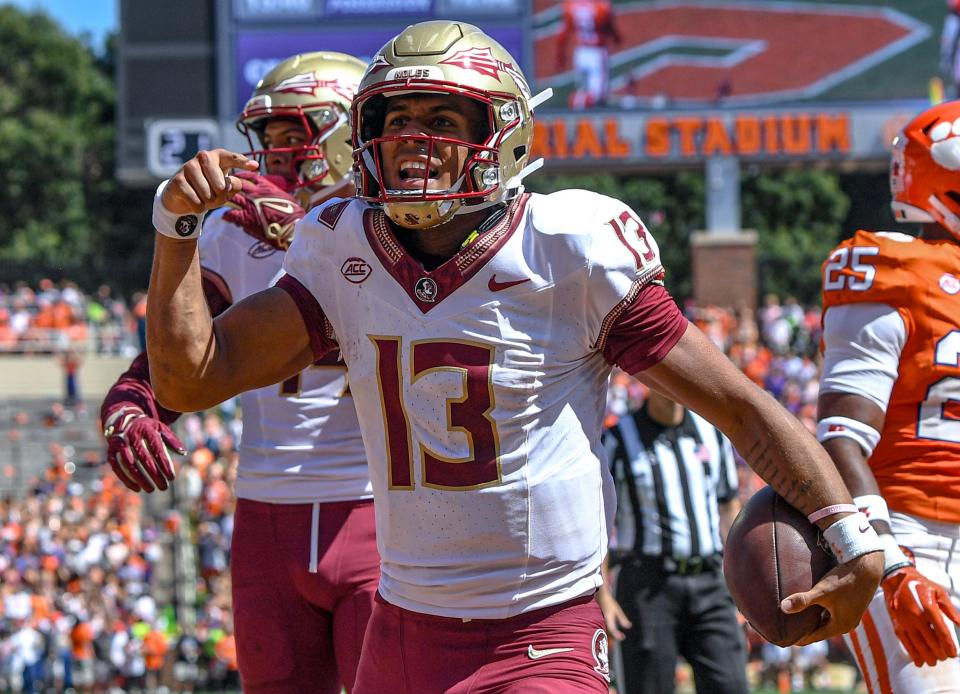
(669, 482)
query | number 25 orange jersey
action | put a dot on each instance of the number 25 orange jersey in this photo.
(917, 462)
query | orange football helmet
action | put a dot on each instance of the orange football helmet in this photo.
(925, 168)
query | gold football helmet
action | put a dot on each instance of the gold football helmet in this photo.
(446, 57)
(314, 89)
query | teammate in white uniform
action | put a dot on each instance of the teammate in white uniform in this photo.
(479, 325)
(304, 565)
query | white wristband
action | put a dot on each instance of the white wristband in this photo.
(893, 556)
(852, 536)
(873, 506)
(176, 226)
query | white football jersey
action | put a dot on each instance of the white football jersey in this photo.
(301, 439)
(481, 388)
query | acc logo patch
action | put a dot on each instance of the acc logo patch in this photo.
(355, 270)
(949, 283)
(426, 290)
(600, 647)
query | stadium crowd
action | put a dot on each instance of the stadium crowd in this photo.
(57, 317)
(79, 607)
(78, 558)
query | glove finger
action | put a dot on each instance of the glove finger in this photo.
(149, 463)
(942, 635)
(910, 646)
(158, 451)
(925, 643)
(947, 606)
(120, 474)
(126, 458)
(930, 623)
(172, 440)
(135, 468)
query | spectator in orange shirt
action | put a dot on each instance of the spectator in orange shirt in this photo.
(226, 653)
(154, 656)
(70, 362)
(81, 651)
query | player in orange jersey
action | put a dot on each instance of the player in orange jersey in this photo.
(589, 25)
(889, 408)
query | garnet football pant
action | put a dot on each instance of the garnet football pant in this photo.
(554, 650)
(886, 667)
(304, 577)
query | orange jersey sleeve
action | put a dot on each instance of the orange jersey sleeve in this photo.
(917, 462)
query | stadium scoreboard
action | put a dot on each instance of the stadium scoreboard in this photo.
(185, 68)
(689, 81)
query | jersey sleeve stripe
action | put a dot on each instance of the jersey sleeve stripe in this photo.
(322, 340)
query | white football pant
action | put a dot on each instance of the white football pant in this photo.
(886, 667)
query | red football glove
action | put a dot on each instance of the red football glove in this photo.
(264, 209)
(137, 449)
(916, 606)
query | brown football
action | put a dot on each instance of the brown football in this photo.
(773, 551)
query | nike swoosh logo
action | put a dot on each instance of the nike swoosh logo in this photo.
(864, 528)
(536, 654)
(495, 286)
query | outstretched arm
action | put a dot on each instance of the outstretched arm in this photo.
(775, 444)
(197, 362)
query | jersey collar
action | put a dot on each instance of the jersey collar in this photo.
(428, 289)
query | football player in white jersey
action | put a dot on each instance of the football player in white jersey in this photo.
(304, 564)
(480, 325)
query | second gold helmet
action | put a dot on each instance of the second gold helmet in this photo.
(315, 89)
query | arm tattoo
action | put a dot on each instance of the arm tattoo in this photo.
(795, 490)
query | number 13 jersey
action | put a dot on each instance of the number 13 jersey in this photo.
(480, 388)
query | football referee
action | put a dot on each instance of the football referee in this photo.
(677, 495)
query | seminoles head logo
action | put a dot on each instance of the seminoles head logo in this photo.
(186, 224)
(304, 83)
(480, 60)
(600, 654)
(347, 90)
(355, 270)
(426, 290)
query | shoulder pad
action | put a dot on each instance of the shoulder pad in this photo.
(872, 267)
(597, 231)
(330, 211)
